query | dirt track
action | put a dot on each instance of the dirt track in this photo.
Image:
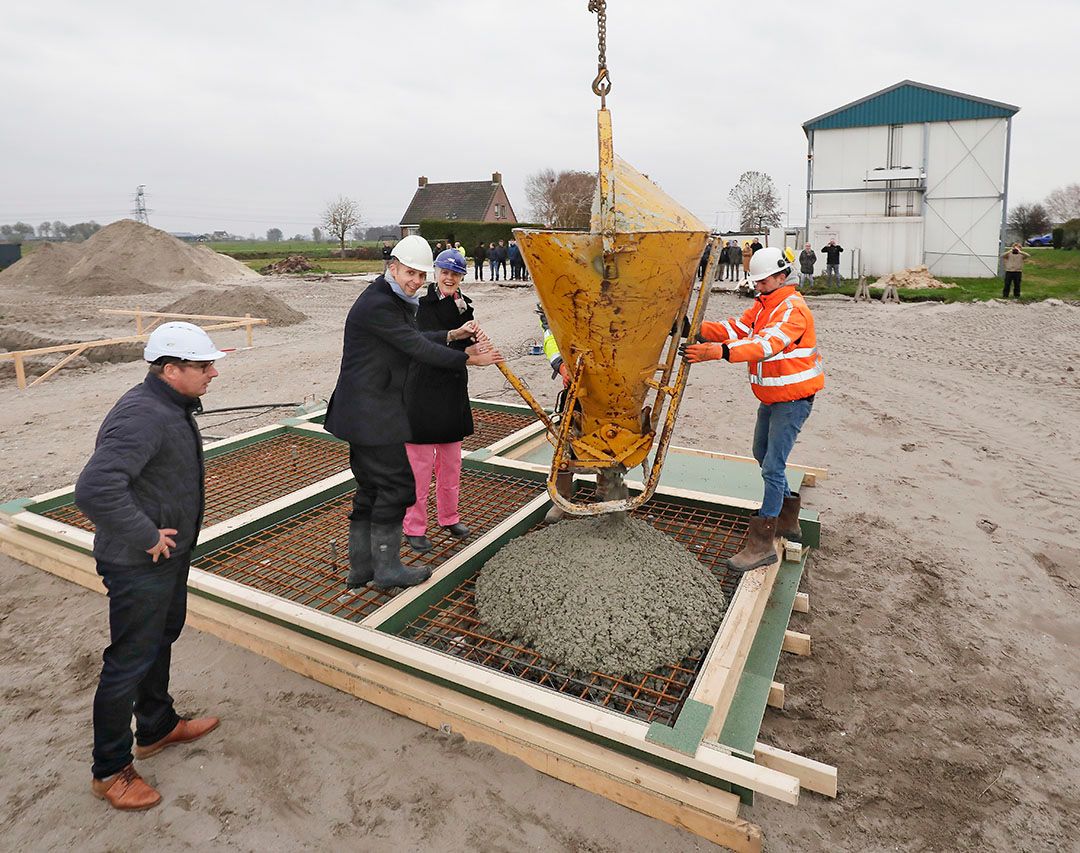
(945, 678)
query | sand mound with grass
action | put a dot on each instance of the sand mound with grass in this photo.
(125, 257)
(236, 302)
(916, 278)
(610, 594)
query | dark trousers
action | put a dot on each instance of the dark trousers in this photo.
(385, 487)
(1012, 279)
(147, 608)
(479, 271)
(502, 267)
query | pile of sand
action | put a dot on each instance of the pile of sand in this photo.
(610, 594)
(291, 264)
(125, 257)
(236, 302)
(916, 278)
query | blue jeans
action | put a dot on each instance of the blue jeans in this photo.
(777, 427)
(147, 609)
(806, 279)
(832, 273)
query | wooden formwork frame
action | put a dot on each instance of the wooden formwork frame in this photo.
(246, 322)
(695, 787)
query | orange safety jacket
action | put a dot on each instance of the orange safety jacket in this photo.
(775, 337)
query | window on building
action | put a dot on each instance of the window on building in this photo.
(899, 195)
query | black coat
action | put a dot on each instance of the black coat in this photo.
(146, 473)
(437, 399)
(381, 341)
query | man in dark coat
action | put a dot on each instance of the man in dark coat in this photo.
(832, 252)
(501, 255)
(493, 261)
(479, 256)
(143, 490)
(367, 409)
(756, 246)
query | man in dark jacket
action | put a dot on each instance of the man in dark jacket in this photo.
(493, 261)
(807, 259)
(832, 261)
(501, 255)
(479, 256)
(143, 490)
(514, 256)
(367, 409)
(756, 246)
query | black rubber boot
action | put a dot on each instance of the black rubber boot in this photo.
(787, 525)
(361, 570)
(386, 557)
(420, 544)
(458, 531)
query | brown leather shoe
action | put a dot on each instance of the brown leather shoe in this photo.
(760, 547)
(126, 790)
(787, 525)
(185, 731)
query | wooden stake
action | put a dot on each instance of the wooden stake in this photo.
(812, 775)
(20, 371)
(776, 695)
(801, 603)
(796, 643)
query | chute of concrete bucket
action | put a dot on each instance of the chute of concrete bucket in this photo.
(613, 296)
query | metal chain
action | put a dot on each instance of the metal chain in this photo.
(602, 84)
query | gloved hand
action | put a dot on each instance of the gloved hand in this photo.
(694, 353)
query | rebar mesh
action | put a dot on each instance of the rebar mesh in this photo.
(250, 476)
(490, 426)
(453, 626)
(305, 558)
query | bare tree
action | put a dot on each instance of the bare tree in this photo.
(316, 234)
(561, 199)
(44, 230)
(340, 217)
(757, 200)
(1028, 220)
(1063, 203)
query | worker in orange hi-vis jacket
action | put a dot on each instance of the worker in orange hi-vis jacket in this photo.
(776, 339)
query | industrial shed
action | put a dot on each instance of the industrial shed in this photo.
(912, 174)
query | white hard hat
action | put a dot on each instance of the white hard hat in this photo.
(766, 262)
(414, 252)
(181, 340)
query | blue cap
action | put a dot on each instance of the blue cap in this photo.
(453, 260)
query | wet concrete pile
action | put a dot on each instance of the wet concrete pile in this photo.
(609, 594)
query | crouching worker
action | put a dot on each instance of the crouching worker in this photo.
(437, 400)
(143, 490)
(367, 409)
(776, 339)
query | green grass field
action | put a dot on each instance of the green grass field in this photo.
(1049, 273)
(252, 249)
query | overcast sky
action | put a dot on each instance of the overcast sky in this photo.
(245, 116)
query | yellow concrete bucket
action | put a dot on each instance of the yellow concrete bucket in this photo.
(612, 297)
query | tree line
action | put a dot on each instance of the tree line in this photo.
(56, 230)
(1060, 206)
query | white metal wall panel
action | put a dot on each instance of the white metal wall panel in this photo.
(879, 245)
(965, 181)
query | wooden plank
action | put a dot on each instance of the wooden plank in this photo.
(62, 534)
(776, 695)
(812, 775)
(723, 665)
(811, 474)
(796, 642)
(130, 339)
(802, 603)
(516, 437)
(127, 312)
(58, 365)
(20, 372)
(53, 558)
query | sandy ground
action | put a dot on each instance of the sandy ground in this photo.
(944, 681)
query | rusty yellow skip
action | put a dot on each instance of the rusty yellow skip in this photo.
(614, 298)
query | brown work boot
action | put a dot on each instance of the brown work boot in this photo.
(185, 731)
(126, 790)
(760, 547)
(787, 525)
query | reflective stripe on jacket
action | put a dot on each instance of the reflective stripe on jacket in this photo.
(776, 339)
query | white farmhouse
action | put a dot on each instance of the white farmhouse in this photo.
(911, 175)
